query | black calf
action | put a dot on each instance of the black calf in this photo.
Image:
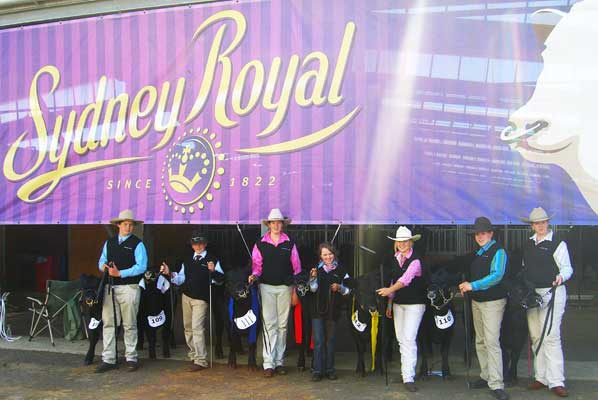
(367, 311)
(302, 318)
(437, 325)
(514, 331)
(91, 308)
(154, 313)
(243, 315)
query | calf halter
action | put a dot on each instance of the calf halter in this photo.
(94, 299)
(445, 301)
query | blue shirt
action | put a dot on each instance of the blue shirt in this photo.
(140, 259)
(497, 268)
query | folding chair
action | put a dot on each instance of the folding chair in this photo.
(58, 296)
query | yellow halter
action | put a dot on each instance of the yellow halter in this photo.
(374, 335)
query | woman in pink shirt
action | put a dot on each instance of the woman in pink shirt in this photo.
(406, 300)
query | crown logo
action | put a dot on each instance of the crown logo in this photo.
(190, 171)
(179, 182)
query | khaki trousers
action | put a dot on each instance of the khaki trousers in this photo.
(194, 321)
(487, 318)
(127, 299)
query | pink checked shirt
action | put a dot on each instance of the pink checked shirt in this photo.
(414, 269)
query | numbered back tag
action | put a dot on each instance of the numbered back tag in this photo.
(360, 326)
(444, 321)
(246, 320)
(156, 320)
(94, 323)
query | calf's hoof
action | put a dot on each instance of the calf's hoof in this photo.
(88, 361)
(166, 352)
(301, 368)
(218, 352)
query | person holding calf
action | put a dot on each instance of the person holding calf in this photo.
(547, 266)
(486, 273)
(195, 277)
(329, 281)
(125, 258)
(407, 298)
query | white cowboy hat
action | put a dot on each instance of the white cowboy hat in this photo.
(538, 214)
(404, 234)
(125, 215)
(276, 215)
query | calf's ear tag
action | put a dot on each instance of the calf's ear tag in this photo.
(94, 323)
(360, 326)
(444, 321)
(156, 320)
(246, 320)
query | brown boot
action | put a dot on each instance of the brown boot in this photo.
(560, 391)
(536, 385)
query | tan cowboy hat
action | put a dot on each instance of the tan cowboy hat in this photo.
(125, 215)
(538, 214)
(403, 234)
(276, 215)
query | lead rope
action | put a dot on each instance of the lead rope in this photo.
(549, 318)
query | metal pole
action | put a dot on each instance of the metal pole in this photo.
(111, 290)
(466, 313)
(244, 242)
(336, 233)
(383, 347)
(211, 347)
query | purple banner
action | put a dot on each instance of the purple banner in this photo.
(361, 112)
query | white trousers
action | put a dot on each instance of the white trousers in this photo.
(407, 318)
(126, 298)
(549, 365)
(276, 303)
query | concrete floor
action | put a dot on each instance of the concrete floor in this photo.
(38, 370)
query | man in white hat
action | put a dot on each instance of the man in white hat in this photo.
(275, 260)
(546, 265)
(125, 258)
(489, 299)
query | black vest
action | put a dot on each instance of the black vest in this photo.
(540, 269)
(479, 268)
(276, 268)
(123, 256)
(198, 277)
(415, 293)
(325, 303)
